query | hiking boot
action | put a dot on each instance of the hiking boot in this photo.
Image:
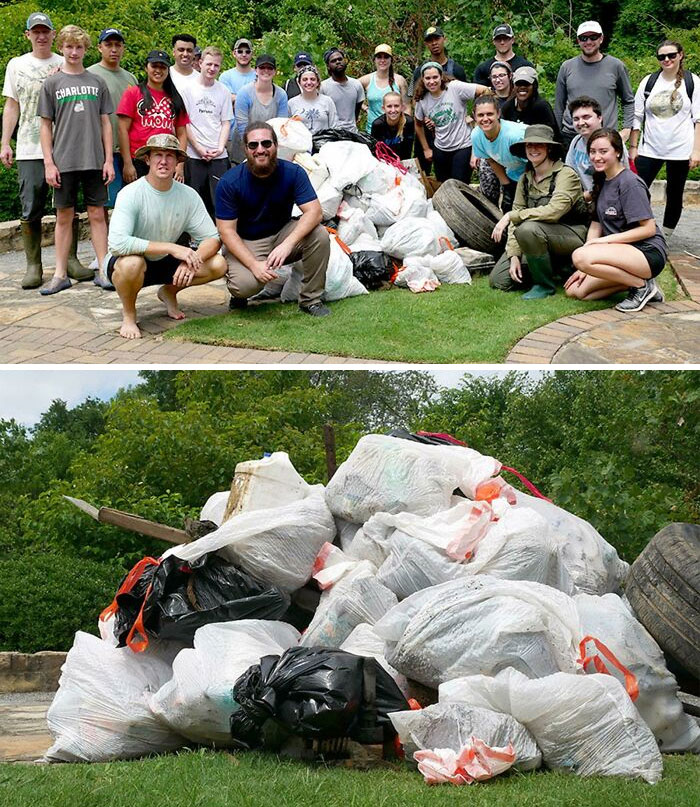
(315, 310)
(75, 269)
(55, 285)
(31, 238)
(637, 298)
(237, 303)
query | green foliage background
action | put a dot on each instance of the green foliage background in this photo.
(618, 448)
(282, 27)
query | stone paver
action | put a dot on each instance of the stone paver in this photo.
(24, 735)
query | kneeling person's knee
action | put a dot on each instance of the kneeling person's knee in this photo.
(530, 234)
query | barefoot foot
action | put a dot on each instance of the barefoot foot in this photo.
(167, 295)
(130, 330)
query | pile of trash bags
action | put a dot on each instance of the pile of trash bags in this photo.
(481, 626)
(383, 227)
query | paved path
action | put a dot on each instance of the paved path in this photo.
(81, 326)
(24, 735)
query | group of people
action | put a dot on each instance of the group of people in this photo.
(188, 160)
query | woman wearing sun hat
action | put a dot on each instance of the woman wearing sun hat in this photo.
(380, 82)
(549, 218)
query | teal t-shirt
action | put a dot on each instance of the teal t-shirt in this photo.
(499, 149)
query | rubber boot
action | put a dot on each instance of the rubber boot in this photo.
(540, 267)
(75, 269)
(31, 238)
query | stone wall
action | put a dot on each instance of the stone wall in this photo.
(30, 672)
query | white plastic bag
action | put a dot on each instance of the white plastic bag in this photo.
(347, 162)
(276, 546)
(585, 724)
(316, 170)
(340, 281)
(410, 236)
(380, 180)
(451, 725)
(391, 475)
(100, 712)
(441, 227)
(363, 641)
(330, 198)
(197, 702)
(353, 223)
(384, 209)
(449, 268)
(618, 636)
(414, 202)
(593, 563)
(268, 482)
(481, 624)
(474, 762)
(366, 242)
(292, 137)
(214, 507)
(417, 275)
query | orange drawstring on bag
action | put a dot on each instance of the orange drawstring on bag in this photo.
(631, 684)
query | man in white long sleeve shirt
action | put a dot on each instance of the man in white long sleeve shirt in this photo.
(150, 217)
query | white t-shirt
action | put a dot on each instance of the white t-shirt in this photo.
(181, 81)
(317, 115)
(208, 108)
(668, 124)
(24, 78)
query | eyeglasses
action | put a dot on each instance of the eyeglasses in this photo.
(662, 56)
(499, 76)
(502, 38)
(589, 37)
(253, 144)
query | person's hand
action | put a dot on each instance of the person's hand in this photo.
(500, 227)
(108, 172)
(54, 70)
(262, 272)
(129, 173)
(474, 162)
(216, 153)
(53, 176)
(428, 154)
(575, 279)
(600, 240)
(184, 275)
(429, 123)
(188, 256)
(695, 159)
(515, 270)
(587, 196)
(6, 156)
(625, 134)
(278, 256)
(180, 173)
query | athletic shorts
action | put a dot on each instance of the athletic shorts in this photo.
(158, 273)
(94, 189)
(655, 257)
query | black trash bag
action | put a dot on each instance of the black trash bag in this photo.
(316, 693)
(334, 135)
(172, 599)
(371, 268)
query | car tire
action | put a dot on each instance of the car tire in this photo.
(469, 214)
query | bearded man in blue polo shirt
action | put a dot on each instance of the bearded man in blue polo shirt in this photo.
(254, 204)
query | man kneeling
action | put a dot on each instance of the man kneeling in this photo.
(254, 204)
(150, 217)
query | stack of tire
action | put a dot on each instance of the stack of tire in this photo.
(469, 214)
(663, 588)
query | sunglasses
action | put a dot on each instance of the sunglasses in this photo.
(253, 144)
(243, 50)
(589, 37)
(662, 56)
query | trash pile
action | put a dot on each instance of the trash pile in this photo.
(418, 601)
(383, 226)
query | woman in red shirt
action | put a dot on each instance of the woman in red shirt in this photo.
(152, 107)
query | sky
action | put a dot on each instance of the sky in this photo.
(26, 394)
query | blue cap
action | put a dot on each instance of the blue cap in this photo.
(110, 33)
(303, 58)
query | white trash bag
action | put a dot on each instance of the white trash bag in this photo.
(353, 223)
(100, 712)
(214, 507)
(416, 275)
(481, 624)
(614, 639)
(584, 724)
(391, 475)
(363, 641)
(410, 236)
(384, 209)
(347, 162)
(197, 702)
(449, 268)
(271, 481)
(277, 546)
(316, 170)
(451, 725)
(292, 137)
(330, 198)
(340, 281)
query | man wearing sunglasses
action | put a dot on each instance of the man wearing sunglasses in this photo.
(597, 75)
(234, 80)
(254, 204)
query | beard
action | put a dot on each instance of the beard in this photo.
(263, 171)
(338, 72)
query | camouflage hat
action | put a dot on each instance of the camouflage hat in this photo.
(162, 141)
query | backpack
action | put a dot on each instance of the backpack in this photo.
(687, 77)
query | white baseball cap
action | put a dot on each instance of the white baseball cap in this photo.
(589, 27)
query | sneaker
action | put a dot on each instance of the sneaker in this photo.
(237, 303)
(638, 298)
(315, 310)
(55, 285)
(101, 281)
(659, 296)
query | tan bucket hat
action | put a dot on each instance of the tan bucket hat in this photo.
(162, 141)
(537, 133)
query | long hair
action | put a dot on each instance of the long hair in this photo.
(146, 104)
(613, 137)
(420, 90)
(402, 117)
(392, 81)
(670, 43)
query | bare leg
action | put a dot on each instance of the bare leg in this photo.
(594, 288)
(98, 232)
(619, 264)
(128, 277)
(63, 239)
(212, 269)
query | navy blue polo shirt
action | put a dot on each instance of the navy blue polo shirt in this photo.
(262, 206)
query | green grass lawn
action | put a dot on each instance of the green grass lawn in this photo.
(209, 779)
(455, 324)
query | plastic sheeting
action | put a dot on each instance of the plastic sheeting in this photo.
(363, 641)
(582, 724)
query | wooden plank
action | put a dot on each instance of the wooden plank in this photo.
(129, 521)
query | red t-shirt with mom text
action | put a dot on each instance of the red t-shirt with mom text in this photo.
(159, 119)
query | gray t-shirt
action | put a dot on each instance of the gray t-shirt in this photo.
(117, 81)
(577, 157)
(346, 96)
(448, 112)
(624, 202)
(604, 80)
(317, 115)
(75, 103)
